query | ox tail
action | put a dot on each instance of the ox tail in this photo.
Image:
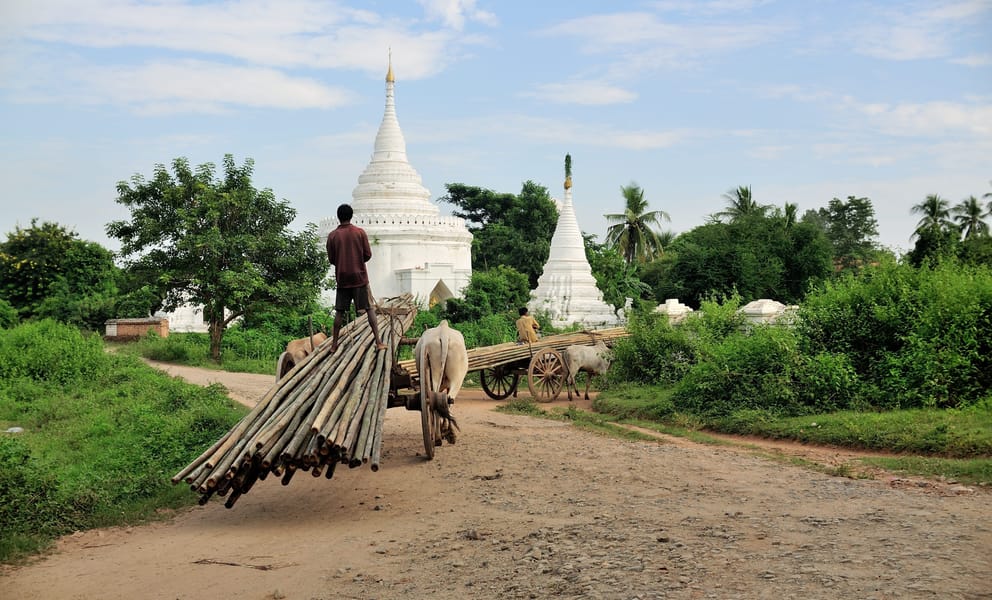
(437, 375)
(438, 356)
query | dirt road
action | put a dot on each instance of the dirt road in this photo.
(530, 508)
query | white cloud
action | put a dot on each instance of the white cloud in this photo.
(928, 118)
(590, 93)
(709, 7)
(611, 32)
(641, 42)
(974, 60)
(454, 13)
(195, 86)
(545, 130)
(288, 34)
(925, 31)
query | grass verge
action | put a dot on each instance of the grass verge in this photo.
(98, 447)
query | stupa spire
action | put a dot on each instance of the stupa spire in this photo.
(567, 289)
(389, 184)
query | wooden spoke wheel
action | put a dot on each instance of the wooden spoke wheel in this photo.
(498, 382)
(546, 375)
(284, 365)
(428, 420)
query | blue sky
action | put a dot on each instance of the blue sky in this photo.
(802, 100)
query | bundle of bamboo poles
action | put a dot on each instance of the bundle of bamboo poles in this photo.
(328, 409)
(487, 357)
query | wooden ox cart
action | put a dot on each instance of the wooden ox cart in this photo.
(329, 408)
(502, 366)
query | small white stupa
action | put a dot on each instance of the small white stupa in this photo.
(414, 248)
(566, 290)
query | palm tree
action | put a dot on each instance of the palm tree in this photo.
(936, 215)
(970, 215)
(632, 234)
(741, 205)
(791, 214)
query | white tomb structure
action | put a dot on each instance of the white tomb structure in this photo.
(414, 248)
(765, 310)
(566, 290)
(676, 311)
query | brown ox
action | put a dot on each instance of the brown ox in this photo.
(594, 360)
(296, 351)
(442, 362)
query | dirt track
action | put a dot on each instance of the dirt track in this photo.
(529, 508)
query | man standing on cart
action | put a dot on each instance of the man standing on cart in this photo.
(348, 250)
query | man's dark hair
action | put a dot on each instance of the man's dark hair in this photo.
(345, 212)
(523, 310)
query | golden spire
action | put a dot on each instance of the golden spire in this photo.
(389, 73)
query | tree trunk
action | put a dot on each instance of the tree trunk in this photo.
(216, 331)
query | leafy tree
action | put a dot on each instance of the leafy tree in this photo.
(502, 289)
(970, 216)
(740, 204)
(976, 250)
(756, 256)
(511, 230)
(632, 233)
(933, 245)
(219, 243)
(47, 271)
(615, 277)
(851, 227)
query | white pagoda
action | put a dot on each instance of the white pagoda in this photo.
(566, 290)
(414, 248)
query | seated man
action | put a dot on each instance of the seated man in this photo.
(527, 327)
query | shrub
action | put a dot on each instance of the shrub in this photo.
(654, 353)
(8, 315)
(49, 351)
(915, 337)
(743, 372)
(659, 353)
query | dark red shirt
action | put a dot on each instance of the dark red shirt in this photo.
(348, 250)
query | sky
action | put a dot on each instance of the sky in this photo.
(802, 100)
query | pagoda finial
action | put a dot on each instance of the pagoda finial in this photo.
(568, 171)
(389, 73)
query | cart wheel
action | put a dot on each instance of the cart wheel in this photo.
(284, 365)
(546, 375)
(498, 382)
(428, 420)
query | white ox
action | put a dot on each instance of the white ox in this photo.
(594, 360)
(296, 351)
(442, 362)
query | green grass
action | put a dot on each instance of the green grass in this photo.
(951, 444)
(949, 433)
(99, 449)
(974, 471)
(240, 353)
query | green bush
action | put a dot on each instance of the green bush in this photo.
(8, 315)
(488, 330)
(915, 337)
(49, 351)
(744, 372)
(655, 352)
